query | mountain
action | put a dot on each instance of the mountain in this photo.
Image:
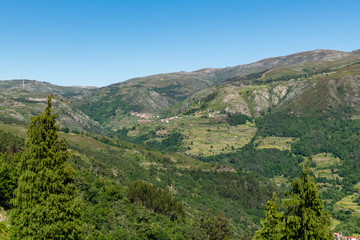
(32, 86)
(301, 88)
(112, 105)
(284, 83)
(21, 99)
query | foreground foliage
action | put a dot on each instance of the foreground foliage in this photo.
(304, 217)
(45, 204)
(49, 182)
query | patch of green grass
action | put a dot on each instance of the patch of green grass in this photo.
(355, 117)
(281, 143)
(14, 129)
(83, 141)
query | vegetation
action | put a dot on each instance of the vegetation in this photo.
(8, 178)
(214, 226)
(273, 226)
(10, 145)
(304, 217)
(234, 119)
(45, 201)
(156, 199)
(202, 175)
(266, 162)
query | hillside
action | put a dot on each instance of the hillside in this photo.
(300, 88)
(112, 105)
(107, 168)
(19, 100)
(32, 86)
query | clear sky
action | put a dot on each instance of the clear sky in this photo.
(100, 42)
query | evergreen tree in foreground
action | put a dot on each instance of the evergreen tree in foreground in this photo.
(44, 204)
(304, 218)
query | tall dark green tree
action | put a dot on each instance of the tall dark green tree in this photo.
(304, 217)
(273, 226)
(45, 205)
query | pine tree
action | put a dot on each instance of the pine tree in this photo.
(273, 225)
(45, 204)
(304, 218)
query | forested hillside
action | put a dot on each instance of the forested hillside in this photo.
(134, 193)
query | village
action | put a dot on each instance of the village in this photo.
(148, 118)
(339, 236)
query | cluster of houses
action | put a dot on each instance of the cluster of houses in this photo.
(168, 119)
(339, 236)
(147, 117)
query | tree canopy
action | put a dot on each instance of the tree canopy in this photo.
(304, 217)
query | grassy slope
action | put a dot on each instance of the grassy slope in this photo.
(190, 180)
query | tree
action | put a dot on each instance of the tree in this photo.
(45, 204)
(10, 145)
(215, 225)
(304, 217)
(8, 178)
(273, 224)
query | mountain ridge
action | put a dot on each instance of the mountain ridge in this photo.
(114, 106)
(157, 93)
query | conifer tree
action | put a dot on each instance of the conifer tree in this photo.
(45, 204)
(273, 225)
(304, 218)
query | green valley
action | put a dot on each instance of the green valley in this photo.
(175, 156)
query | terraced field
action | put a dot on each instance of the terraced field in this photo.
(281, 143)
(326, 165)
(348, 203)
(215, 139)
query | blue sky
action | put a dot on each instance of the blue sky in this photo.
(100, 42)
